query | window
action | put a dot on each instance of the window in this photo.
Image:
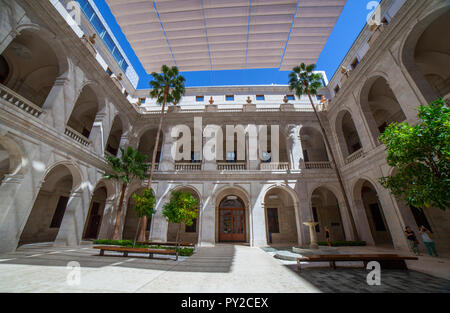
(305, 156)
(267, 157)
(420, 218)
(229, 98)
(142, 100)
(200, 98)
(231, 156)
(195, 157)
(336, 89)
(355, 63)
(260, 98)
(384, 21)
(59, 212)
(377, 217)
(290, 97)
(108, 71)
(319, 98)
(272, 216)
(192, 228)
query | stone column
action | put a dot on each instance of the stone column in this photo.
(167, 162)
(59, 104)
(303, 214)
(258, 218)
(295, 147)
(159, 224)
(347, 226)
(98, 133)
(207, 218)
(108, 218)
(361, 222)
(71, 231)
(367, 140)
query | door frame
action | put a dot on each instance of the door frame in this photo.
(244, 234)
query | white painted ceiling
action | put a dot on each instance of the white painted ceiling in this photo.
(201, 35)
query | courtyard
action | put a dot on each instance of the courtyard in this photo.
(225, 268)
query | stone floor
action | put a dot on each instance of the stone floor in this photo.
(427, 275)
(224, 269)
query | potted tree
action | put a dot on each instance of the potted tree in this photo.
(167, 87)
(131, 165)
(182, 208)
(144, 206)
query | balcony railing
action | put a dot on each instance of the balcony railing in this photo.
(188, 167)
(77, 136)
(318, 165)
(273, 166)
(225, 166)
(354, 156)
(19, 101)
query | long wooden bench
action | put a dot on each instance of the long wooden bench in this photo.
(126, 250)
(387, 261)
(169, 244)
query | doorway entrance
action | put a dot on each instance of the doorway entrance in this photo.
(232, 220)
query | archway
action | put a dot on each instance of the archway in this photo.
(147, 144)
(426, 55)
(314, 149)
(84, 112)
(232, 219)
(113, 143)
(187, 233)
(29, 66)
(49, 207)
(132, 220)
(326, 212)
(367, 195)
(347, 134)
(96, 210)
(380, 106)
(281, 225)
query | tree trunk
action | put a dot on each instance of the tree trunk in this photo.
(119, 213)
(178, 233)
(334, 164)
(152, 166)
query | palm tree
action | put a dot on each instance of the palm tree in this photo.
(167, 87)
(129, 166)
(304, 81)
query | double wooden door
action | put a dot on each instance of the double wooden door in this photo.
(232, 225)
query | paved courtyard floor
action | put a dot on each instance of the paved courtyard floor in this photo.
(224, 269)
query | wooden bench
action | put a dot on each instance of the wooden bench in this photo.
(125, 251)
(169, 244)
(387, 261)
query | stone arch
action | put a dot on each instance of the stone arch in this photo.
(103, 191)
(426, 57)
(327, 212)
(46, 216)
(313, 145)
(115, 135)
(281, 215)
(35, 61)
(379, 105)
(233, 191)
(11, 158)
(85, 110)
(347, 134)
(366, 196)
(187, 234)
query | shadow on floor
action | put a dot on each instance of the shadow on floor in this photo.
(210, 260)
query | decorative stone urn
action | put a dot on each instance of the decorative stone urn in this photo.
(312, 234)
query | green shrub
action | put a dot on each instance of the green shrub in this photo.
(183, 251)
(343, 243)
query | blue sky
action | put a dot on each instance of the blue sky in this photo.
(344, 34)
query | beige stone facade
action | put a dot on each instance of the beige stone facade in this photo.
(61, 111)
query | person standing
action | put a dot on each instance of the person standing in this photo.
(412, 240)
(327, 236)
(429, 243)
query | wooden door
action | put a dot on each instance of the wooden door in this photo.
(232, 225)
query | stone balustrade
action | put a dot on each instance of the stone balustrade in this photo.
(76, 136)
(354, 156)
(188, 167)
(275, 166)
(19, 101)
(225, 166)
(317, 165)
